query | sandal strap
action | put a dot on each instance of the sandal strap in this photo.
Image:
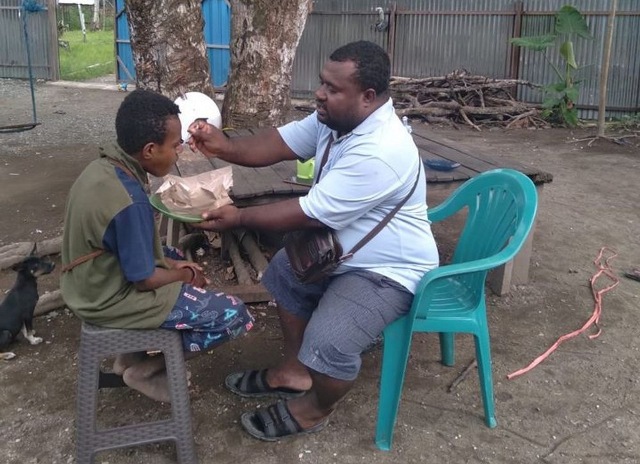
(285, 418)
(277, 421)
(268, 427)
(254, 381)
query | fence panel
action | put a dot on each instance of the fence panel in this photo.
(42, 36)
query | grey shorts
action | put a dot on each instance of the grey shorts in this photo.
(346, 313)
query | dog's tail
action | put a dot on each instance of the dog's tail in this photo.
(5, 338)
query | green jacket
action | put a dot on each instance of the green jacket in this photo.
(96, 290)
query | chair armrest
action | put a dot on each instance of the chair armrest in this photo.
(484, 264)
(445, 209)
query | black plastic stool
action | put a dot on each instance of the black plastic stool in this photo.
(98, 343)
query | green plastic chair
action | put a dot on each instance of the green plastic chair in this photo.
(501, 207)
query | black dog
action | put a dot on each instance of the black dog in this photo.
(16, 311)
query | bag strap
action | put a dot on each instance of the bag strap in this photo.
(99, 251)
(82, 259)
(325, 155)
(382, 223)
(126, 170)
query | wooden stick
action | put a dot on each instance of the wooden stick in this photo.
(468, 121)
(256, 258)
(463, 375)
(238, 264)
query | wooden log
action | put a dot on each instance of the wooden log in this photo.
(256, 258)
(495, 110)
(48, 302)
(50, 246)
(473, 87)
(242, 275)
(16, 252)
(438, 112)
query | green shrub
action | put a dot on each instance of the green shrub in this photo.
(560, 97)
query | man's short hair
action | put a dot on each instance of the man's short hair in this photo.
(142, 119)
(373, 68)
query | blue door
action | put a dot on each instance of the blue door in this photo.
(217, 35)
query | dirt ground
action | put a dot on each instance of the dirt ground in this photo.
(578, 406)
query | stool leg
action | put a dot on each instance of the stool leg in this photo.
(95, 344)
(87, 402)
(180, 404)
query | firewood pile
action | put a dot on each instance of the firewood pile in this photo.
(461, 98)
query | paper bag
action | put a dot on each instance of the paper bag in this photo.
(197, 194)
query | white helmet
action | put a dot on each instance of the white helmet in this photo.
(196, 105)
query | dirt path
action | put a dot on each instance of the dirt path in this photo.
(580, 405)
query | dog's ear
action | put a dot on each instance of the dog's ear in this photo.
(34, 251)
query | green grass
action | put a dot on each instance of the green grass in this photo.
(87, 60)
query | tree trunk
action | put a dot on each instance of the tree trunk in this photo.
(95, 21)
(604, 70)
(169, 50)
(264, 38)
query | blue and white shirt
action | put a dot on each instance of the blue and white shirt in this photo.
(368, 172)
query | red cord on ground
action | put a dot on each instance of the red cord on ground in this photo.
(604, 268)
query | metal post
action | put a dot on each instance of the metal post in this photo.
(24, 14)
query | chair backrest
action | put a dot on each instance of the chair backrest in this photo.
(501, 206)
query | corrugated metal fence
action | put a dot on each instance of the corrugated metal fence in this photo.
(43, 43)
(423, 37)
(435, 37)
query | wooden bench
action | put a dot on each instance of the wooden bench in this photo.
(472, 164)
(254, 186)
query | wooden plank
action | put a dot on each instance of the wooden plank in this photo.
(475, 160)
(242, 183)
(467, 160)
(250, 182)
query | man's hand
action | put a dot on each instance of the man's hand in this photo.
(207, 139)
(179, 264)
(198, 279)
(224, 218)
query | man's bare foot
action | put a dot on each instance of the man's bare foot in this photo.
(126, 360)
(154, 386)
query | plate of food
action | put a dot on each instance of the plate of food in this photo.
(441, 164)
(156, 202)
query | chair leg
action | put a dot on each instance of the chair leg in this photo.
(447, 348)
(483, 356)
(397, 341)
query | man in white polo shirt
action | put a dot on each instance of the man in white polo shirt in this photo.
(372, 165)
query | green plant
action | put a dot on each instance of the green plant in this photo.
(629, 122)
(86, 60)
(560, 97)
